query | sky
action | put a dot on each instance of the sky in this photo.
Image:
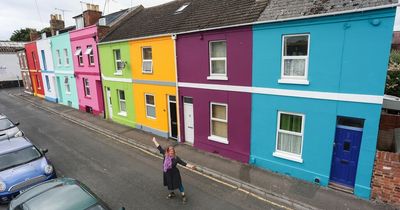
(17, 14)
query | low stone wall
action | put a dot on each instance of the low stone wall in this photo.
(386, 178)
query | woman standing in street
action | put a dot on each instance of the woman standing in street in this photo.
(172, 176)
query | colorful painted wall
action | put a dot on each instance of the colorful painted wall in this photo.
(160, 82)
(34, 69)
(193, 60)
(47, 69)
(341, 48)
(113, 81)
(85, 70)
(64, 70)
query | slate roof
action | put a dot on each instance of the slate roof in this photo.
(114, 16)
(200, 14)
(283, 9)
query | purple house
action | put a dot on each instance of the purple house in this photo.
(214, 119)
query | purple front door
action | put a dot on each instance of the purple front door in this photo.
(345, 155)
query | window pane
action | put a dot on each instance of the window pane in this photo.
(218, 67)
(219, 129)
(296, 45)
(122, 106)
(294, 67)
(150, 99)
(289, 143)
(147, 53)
(120, 65)
(122, 95)
(218, 49)
(117, 54)
(147, 65)
(290, 123)
(219, 112)
(151, 111)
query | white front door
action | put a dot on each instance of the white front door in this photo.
(109, 103)
(188, 119)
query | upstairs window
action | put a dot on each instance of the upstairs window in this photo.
(58, 57)
(89, 53)
(66, 56)
(24, 60)
(295, 50)
(43, 59)
(217, 60)
(78, 53)
(79, 23)
(34, 60)
(119, 64)
(86, 86)
(147, 55)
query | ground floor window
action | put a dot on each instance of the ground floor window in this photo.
(66, 84)
(122, 102)
(38, 83)
(289, 137)
(150, 106)
(219, 122)
(48, 83)
(86, 86)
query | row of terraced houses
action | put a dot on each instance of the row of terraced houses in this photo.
(294, 87)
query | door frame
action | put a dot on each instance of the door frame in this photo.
(169, 118)
(109, 102)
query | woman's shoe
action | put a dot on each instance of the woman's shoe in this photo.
(184, 198)
(171, 195)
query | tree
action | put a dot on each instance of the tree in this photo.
(21, 35)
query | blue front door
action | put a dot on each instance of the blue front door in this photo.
(345, 155)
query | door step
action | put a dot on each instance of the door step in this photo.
(340, 187)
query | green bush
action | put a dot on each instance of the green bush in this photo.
(393, 83)
(395, 56)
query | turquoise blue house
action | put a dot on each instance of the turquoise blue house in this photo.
(317, 89)
(64, 70)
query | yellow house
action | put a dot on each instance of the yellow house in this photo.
(154, 85)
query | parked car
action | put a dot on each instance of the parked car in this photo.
(8, 129)
(58, 194)
(22, 165)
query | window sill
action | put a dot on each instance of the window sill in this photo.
(150, 117)
(218, 139)
(287, 156)
(88, 97)
(118, 74)
(123, 114)
(147, 72)
(294, 81)
(69, 93)
(217, 77)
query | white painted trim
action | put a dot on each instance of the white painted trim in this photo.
(124, 114)
(211, 59)
(147, 60)
(348, 97)
(64, 72)
(284, 57)
(218, 139)
(121, 112)
(151, 105)
(215, 77)
(214, 137)
(113, 79)
(294, 81)
(280, 154)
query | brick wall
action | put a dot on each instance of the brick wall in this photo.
(386, 178)
(387, 127)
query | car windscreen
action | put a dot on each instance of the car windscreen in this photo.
(5, 124)
(18, 157)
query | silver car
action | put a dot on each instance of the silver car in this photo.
(8, 129)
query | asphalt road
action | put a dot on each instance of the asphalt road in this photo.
(117, 173)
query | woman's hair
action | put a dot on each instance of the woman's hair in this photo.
(170, 147)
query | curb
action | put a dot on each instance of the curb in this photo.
(258, 192)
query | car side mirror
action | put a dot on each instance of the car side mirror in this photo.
(16, 124)
(44, 151)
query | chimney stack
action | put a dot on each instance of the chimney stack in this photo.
(56, 23)
(92, 15)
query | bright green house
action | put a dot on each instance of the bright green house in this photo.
(116, 75)
(64, 70)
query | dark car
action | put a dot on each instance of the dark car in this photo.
(58, 194)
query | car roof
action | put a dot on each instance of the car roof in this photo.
(57, 194)
(13, 144)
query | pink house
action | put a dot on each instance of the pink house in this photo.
(91, 26)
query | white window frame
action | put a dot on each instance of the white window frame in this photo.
(59, 63)
(86, 87)
(25, 61)
(90, 55)
(65, 50)
(152, 105)
(80, 56)
(284, 154)
(117, 71)
(122, 113)
(67, 86)
(214, 137)
(47, 79)
(301, 80)
(147, 60)
(214, 76)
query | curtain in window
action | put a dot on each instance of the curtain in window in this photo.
(151, 111)
(218, 49)
(289, 143)
(122, 106)
(219, 129)
(294, 67)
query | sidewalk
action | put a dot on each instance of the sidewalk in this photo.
(284, 190)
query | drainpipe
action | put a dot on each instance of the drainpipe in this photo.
(101, 78)
(174, 36)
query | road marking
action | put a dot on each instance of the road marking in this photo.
(154, 155)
